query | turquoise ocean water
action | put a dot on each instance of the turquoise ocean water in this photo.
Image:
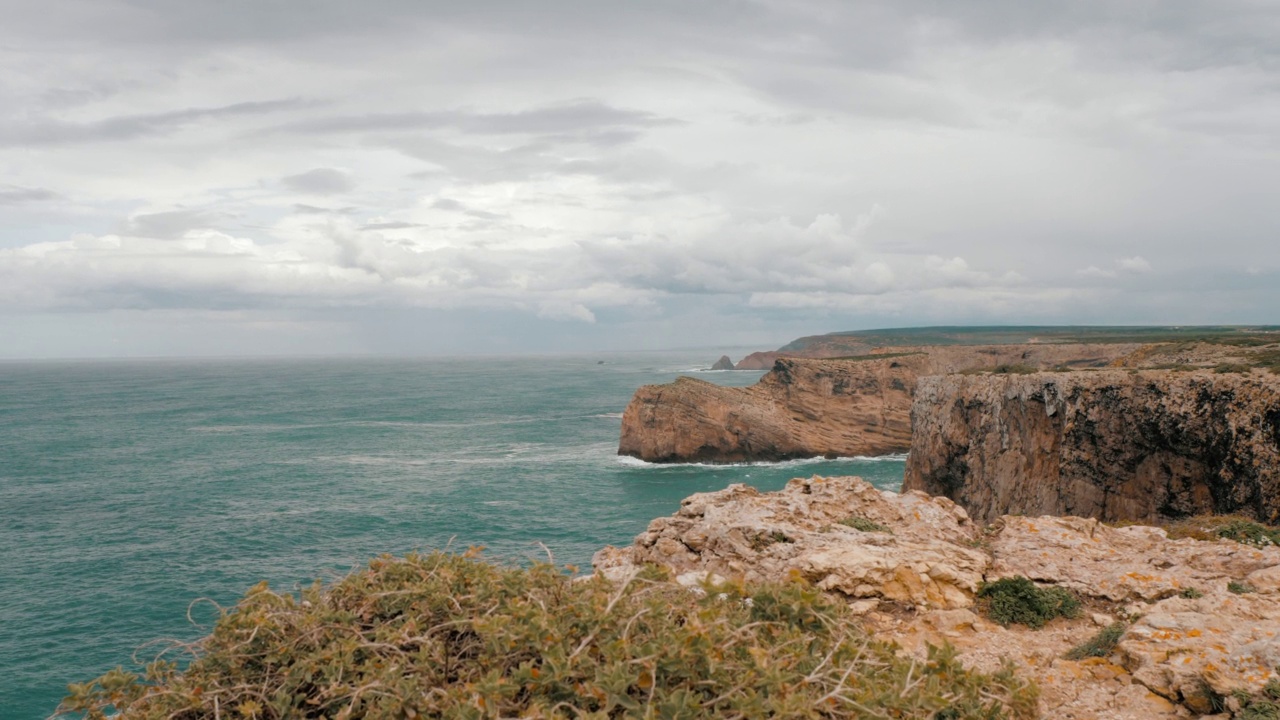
(130, 489)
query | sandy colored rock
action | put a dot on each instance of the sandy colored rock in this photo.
(815, 408)
(922, 560)
(1119, 564)
(915, 583)
(1114, 445)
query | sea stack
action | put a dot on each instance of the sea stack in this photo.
(724, 363)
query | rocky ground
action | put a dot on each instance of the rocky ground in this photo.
(1200, 618)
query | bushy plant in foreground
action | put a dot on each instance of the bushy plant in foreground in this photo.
(1018, 600)
(441, 635)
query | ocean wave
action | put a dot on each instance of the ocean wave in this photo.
(637, 462)
(611, 416)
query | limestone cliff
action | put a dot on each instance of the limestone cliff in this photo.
(1114, 445)
(802, 408)
(910, 564)
(816, 407)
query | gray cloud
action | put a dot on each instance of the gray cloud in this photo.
(49, 131)
(581, 116)
(170, 225)
(320, 181)
(644, 165)
(10, 195)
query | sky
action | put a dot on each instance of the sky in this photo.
(279, 177)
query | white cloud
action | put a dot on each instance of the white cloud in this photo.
(1136, 264)
(1093, 271)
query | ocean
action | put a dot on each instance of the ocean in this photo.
(132, 492)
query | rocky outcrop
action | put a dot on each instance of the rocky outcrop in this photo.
(801, 408)
(724, 363)
(845, 407)
(1113, 445)
(1190, 638)
(919, 556)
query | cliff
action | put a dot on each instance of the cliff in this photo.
(1114, 445)
(1195, 623)
(801, 408)
(816, 407)
(861, 342)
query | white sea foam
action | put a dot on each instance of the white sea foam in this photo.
(637, 462)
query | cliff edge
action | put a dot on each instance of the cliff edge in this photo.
(801, 408)
(1113, 445)
(835, 407)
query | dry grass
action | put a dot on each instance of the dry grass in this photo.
(448, 636)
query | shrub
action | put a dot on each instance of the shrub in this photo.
(440, 635)
(1248, 532)
(1240, 588)
(863, 524)
(1100, 645)
(1018, 600)
(1232, 527)
(1224, 368)
(1015, 369)
(1258, 709)
(763, 540)
(1190, 593)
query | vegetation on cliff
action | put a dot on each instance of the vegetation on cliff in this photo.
(441, 635)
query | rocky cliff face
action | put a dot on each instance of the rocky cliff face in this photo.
(802, 408)
(812, 407)
(1113, 445)
(910, 565)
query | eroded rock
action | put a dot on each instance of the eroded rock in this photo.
(859, 405)
(921, 558)
(1190, 642)
(1114, 445)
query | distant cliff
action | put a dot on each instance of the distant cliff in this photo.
(801, 408)
(817, 407)
(1114, 445)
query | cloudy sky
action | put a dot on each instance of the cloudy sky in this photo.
(400, 176)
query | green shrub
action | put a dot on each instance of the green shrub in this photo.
(450, 636)
(1015, 369)
(1258, 709)
(763, 540)
(1240, 588)
(863, 524)
(1100, 645)
(1018, 600)
(1232, 527)
(1190, 593)
(1248, 532)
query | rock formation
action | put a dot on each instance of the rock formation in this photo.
(1190, 637)
(1114, 445)
(813, 408)
(801, 408)
(724, 363)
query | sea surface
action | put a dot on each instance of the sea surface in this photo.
(131, 489)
